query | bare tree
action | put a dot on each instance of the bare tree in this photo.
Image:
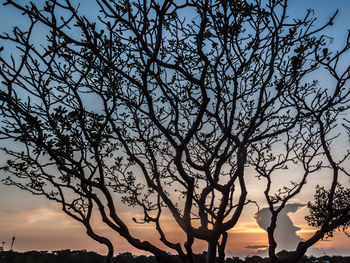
(164, 105)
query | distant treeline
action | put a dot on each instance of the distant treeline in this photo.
(78, 256)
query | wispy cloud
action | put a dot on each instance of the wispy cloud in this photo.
(33, 216)
(257, 247)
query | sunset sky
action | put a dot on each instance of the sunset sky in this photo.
(39, 224)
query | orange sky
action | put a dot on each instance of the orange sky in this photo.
(40, 225)
(45, 227)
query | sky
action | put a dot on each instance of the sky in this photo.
(39, 224)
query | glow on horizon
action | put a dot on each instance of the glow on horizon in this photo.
(55, 231)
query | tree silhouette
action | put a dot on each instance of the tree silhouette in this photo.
(168, 106)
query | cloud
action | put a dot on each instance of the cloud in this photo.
(285, 233)
(256, 247)
(318, 252)
(35, 216)
(42, 228)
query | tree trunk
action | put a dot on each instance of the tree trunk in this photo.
(211, 256)
(109, 256)
(221, 248)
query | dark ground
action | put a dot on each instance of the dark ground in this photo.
(68, 256)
